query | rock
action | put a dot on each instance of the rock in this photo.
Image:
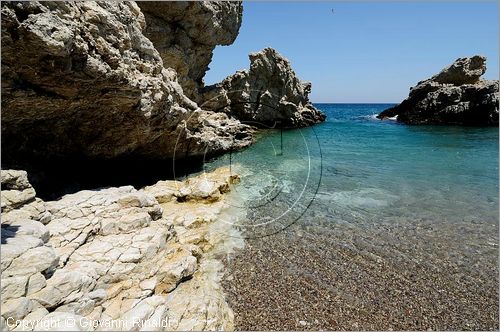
(116, 254)
(34, 210)
(85, 83)
(13, 287)
(63, 321)
(64, 287)
(179, 266)
(186, 33)
(207, 310)
(456, 96)
(36, 282)
(270, 91)
(207, 186)
(16, 190)
(14, 180)
(462, 71)
(140, 313)
(27, 227)
(164, 191)
(97, 295)
(105, 82)
(39, 259)
(29, 322)
(14, 246)
(16, 309)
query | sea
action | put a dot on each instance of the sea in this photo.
(359, 223)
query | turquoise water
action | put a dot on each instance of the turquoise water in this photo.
(355, 167)
(363, 224)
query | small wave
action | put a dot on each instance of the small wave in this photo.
(371, 117)
(374, 117)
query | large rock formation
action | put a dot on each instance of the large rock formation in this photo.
(270, 91)
(80, 79)
(100, 80)
(186, 33)
(456, 95)
(115, 256)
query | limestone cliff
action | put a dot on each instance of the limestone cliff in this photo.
(456, 95)
(269, 91)
(105, 80)
(185, 34)
(81, 80)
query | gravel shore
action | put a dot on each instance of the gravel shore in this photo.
(400, 275)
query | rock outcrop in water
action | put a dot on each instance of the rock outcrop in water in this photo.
(132, 258)
(102, 80)
(270, 91)
(457, 95)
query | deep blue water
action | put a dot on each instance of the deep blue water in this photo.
(355, 167)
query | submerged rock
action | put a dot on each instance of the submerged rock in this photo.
(270, 91)
(456, 95)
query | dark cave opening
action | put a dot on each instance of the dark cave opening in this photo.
(55, 178)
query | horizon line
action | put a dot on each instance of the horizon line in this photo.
(329, 102)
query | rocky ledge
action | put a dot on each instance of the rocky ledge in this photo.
(115, 258)
(457, 95)
(107, 80)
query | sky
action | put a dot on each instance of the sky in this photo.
(366, 52)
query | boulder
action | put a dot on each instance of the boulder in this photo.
(455, 96)
(462, 71)
(268, 92)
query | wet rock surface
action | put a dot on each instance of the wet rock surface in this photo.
(269, 91)
(116, 255)
(457, 95)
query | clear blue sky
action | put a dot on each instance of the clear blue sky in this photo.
(363, 52)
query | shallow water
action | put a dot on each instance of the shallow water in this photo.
(374, 169)
(359, 223)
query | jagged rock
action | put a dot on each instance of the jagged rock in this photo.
(456, 95)
(270, 91)
(81, 81)
(14, 287)
(462, 71)
(63, 321)
(32, 319)
(16, 190)
(34, 210)
(17, 308)
(94, 81)
(208, 187)
(116, 255)
(32, 261)
(186, 33)
(164, 191)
